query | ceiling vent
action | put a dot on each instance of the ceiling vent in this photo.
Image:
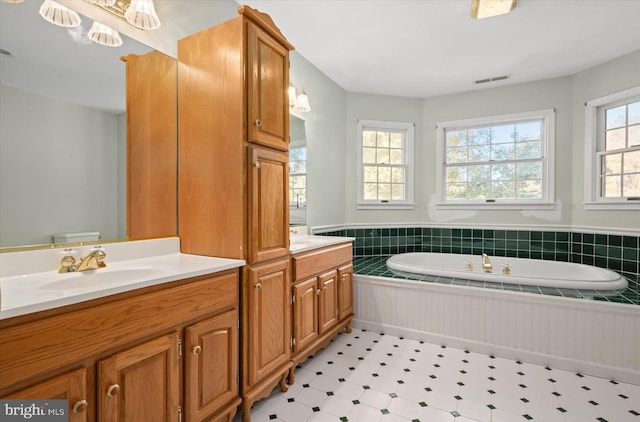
(494, 79)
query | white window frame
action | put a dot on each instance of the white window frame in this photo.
(548, 162)
(408, 158)
(594, 138)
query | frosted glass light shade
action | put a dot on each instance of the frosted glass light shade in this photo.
(59, 15)
(292, 95)
(103, 2)
(104, 35)
(142, 14)
(13, 1)
(302, 103)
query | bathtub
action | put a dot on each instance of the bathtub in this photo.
(523, 271)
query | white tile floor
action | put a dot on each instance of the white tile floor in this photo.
(368, 377)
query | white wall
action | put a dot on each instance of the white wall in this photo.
(380, 107)
(554, 93)
(547, 94)
(566, 95)
(58, 163)
(608, 78)
(325, 128)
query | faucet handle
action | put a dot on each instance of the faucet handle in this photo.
(100, 254)
(68, 260)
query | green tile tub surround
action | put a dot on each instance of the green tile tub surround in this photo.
(614, 252)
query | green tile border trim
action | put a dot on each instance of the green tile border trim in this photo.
(615, 252)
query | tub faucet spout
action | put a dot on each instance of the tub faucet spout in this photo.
(486, 263)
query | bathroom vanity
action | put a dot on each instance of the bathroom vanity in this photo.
(322, 296)
(163, 351)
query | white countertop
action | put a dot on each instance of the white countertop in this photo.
(30, 282)
(302, 242)
(153, 263)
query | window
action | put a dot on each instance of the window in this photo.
(499, 161)
(297, 177)
(612, 171)
(385, 157)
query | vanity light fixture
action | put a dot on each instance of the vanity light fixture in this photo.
(142, 14)
(59, 15)
(104, 35)
(298, 102)
(302, 103)
(481, 9)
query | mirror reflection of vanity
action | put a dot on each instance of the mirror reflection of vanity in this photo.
(297, 171)
(63, 148)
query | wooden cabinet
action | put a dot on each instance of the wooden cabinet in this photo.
(233, 140)
(268, 207)
(322, 295)
(233, 178)
(268, 66)
(345, 292)
(305, 313)
(152, 124)
(267, 327)
(148, 355)
(211, 349)
(327, 301)
(70, 386)
(141, 383)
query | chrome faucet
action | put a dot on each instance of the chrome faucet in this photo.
(93, 260)
(486, 263)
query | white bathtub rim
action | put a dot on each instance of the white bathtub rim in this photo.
(509, 295)
(555, 362)
(611, 279)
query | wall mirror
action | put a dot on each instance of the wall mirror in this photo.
(63, 130)
(297, 172)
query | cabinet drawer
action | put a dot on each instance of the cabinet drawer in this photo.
(36, 347)
(313, 262)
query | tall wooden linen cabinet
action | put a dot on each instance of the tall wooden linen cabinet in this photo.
(233, 175)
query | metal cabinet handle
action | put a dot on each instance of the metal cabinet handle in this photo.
(258, 122)
(80, 406)
(113, 390)
(258, 286)
(258, 164)
(196, 350)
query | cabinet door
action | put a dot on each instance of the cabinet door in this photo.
(152, 151)
(267, 320)
(268, 72)
(268, 204)
(211, 355)
(141, 384)
(305, 313)
(345, 291)
(70, 386)
(328, 300)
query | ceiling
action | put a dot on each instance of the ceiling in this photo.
(424, 48)
(413, 48)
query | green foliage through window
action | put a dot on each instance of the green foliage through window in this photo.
(495, 161)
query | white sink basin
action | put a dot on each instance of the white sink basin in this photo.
(101, 277)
